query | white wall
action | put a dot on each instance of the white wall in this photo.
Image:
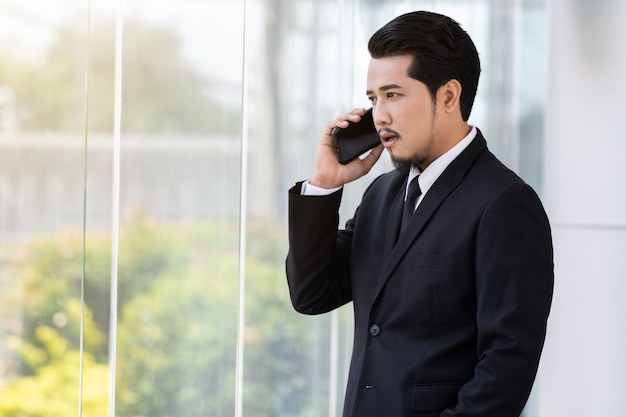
(585, 192)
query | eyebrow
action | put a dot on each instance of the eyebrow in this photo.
(384, 88)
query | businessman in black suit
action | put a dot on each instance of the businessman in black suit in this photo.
(451, 308)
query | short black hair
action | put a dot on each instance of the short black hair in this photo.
(441, 50)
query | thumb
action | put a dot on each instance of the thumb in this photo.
(372, 157)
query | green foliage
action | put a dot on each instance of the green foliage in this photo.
(177, 330)
(53, 390)
(276, 346)
(177, 342)
(51, 274)
(177, 345)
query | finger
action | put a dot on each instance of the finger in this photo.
(353, 115)
(342, 121)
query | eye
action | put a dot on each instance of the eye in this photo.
(372, 99)
(391, 94)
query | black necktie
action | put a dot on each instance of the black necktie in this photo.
(409, 204)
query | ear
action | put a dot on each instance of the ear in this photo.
(449, 95)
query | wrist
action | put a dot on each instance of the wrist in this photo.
(322, 182)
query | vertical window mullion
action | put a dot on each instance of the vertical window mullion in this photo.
(115, 206)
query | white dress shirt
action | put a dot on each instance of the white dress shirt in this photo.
(436, 168)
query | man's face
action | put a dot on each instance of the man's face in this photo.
(404, 112)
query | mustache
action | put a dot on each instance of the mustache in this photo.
(388, 131)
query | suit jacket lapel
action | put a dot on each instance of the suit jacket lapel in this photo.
(449, 179)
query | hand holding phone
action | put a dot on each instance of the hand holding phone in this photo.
(356, 139)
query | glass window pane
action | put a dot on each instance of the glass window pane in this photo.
(307, 70)
(42, 224)
(206, 127)
(294, 365)
(179, 208)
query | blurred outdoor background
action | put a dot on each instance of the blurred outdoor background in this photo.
(146, 149)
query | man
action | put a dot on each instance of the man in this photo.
(450, 310)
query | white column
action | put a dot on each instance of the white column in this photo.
(584, 363)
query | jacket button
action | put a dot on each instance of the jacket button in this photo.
(374, 329)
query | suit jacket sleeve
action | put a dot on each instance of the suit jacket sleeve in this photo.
(318, 260)
(514, 284)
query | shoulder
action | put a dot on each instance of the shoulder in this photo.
(486, 181)
(503, 194)
(490, 176)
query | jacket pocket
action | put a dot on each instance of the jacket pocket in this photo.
(434, 398)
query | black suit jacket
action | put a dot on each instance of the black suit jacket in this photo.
(450, 316)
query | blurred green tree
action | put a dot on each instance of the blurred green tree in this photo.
(52, 390)
(162, 91)
(177, 341)
(51, 272)
(177, 329)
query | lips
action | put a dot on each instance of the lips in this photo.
(388, 136)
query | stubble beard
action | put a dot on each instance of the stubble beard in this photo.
(418, 159)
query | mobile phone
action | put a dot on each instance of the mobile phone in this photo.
(356, 139)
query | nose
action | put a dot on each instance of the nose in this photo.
(381, 116)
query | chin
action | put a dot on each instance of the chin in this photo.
(401, 165)
(405, 164)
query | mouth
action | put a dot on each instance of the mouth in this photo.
(388, 137)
